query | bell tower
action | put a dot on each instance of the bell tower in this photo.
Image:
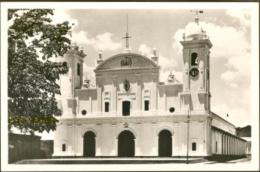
(196, 81)
(72, 80)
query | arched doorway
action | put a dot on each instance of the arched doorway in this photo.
(165, 143)
(126, 108)
(89, 144)
(126, 144)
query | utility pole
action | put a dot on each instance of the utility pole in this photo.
(188, 135)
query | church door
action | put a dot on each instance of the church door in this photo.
(126, 108)
(165, 143)
(89, 143)
(126, 144)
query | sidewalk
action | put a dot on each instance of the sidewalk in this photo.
(110, 161)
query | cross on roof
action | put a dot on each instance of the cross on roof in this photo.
(127, 35)
(197, 12)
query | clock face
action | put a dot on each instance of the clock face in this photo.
(194, 72)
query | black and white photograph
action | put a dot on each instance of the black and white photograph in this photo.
(108, 86)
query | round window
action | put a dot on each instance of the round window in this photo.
(172, 109)
(84, 112)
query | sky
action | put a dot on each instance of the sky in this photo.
(229, 30)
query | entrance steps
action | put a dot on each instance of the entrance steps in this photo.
(112, 160)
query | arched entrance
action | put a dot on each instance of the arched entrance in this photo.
(126, 108)
(126, 144)
(89, 144)
(165, 143)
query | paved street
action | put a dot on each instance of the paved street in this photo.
(116, 160)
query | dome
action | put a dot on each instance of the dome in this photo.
(194, 31)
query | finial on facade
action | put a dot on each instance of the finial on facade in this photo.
(74, 46)
(197, 12)
(183, 36)
(127, 35)
(171, 77)
(100, 54)
(154, 52)
(155, 57)
(100, 58)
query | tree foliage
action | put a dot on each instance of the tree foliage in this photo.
(32, 41)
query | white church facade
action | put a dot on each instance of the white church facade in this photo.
(131, 113)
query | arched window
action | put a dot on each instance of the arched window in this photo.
(146, 105)
(194, 146)
(126, 108)
(194, 59)
(106, 106)
(63, 147)
(78, 69)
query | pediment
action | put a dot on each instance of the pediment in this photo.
(126, 61)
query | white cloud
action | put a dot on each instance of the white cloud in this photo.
(224, 40)
(60, 15)
(145, 50)
(228, 75)
(100, 42)
(89, 74)
(228, 43)
(234, 85)
(167, 64)
(104, 42)
(242, 15)
(81, 38)
(238, 116)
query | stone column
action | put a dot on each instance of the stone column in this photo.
(236, 146)
(225, 144)
(139, 93)
(186, 77)
(114, 95)
(201, 75)
(238, 141)
(222, 141)
(164, 99)
(239, 147)
(228, 148)
(99, 97)
(233, 145)
(154, 93)
(229, 145)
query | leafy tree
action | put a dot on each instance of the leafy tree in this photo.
(32, 40)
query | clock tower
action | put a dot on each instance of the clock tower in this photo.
(196, 52)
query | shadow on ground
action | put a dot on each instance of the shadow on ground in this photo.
(224, 158)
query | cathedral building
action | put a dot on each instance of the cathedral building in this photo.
(131, 113)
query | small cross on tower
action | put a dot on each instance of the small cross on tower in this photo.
(197, 12)
(127, 35)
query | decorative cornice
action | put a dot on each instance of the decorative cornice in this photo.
(135, 119)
